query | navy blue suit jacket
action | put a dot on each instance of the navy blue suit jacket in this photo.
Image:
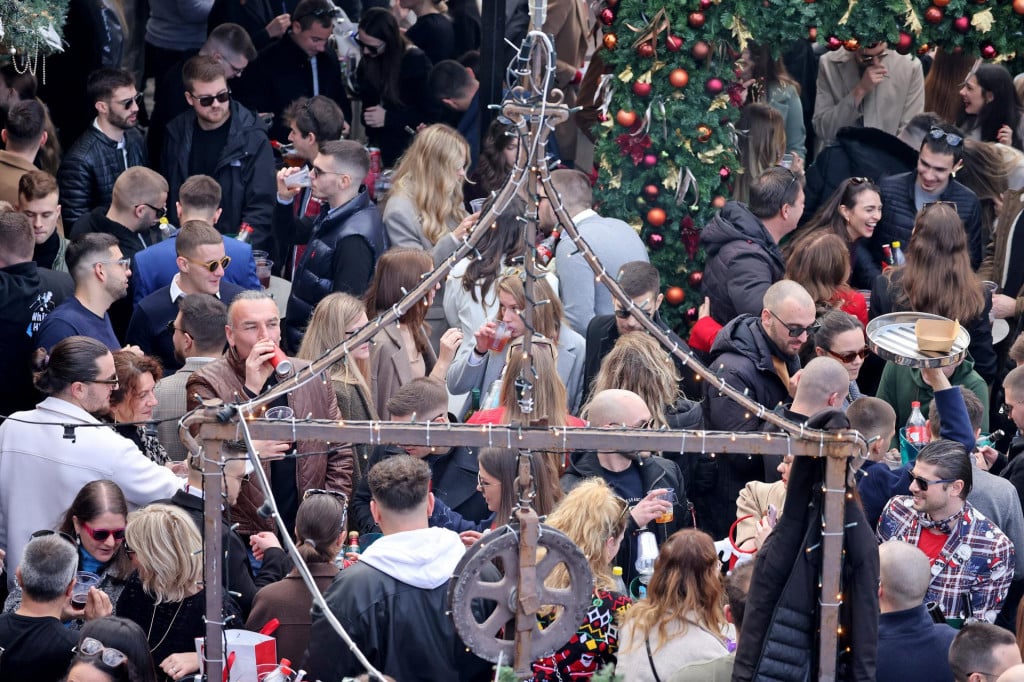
(157, 265)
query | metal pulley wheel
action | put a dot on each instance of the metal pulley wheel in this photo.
(476, 578)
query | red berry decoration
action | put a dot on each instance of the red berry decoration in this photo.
(686, 223)
(673, 43)
(701, 50)
(961, 24)
(641, 89)
(675, 295)
(656, 217)
(714, 86)
(645, 50)
(607, 16)
(988, 52)
(904, 43)
(655, 241)
(651, 192)
(696, 19)
(695, 279)
(933, 14)
(679, 78)
(851, 44)
(650, 160)
(610, 41)
(834, 43)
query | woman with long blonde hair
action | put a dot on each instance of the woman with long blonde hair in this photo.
(681, 620)
(594, 518)
(336, 317)
(638, 363)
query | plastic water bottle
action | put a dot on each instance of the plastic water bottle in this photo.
(620, 585)
(897, 255)
(917, 429)
(282, 673)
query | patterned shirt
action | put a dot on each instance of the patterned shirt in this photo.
(977, 558)
(592, 647)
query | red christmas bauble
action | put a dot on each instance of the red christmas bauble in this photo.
(962, 24)
(641, 89)
(675, 295)
(1018, 6)
(679, 78)
(656, 217)
(655, 241)
(610, 41)
(650, 160)
(645, 50)
(626, 118)
(834, 43)
(602, 117)
(607, 16)
(940, 3)
(694, 279)
(703, 133)
(701, 49)
(673, 43)
(714, 86)
(651, 192)
(724, 173)
(851, 44)
(696, 19)
(904, 43)
(988, 52)
(933, 14)
(705, 5)
(923, 50)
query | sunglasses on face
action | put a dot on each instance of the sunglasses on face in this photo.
(952, 139)
(847, 358)
(923, 483)
(128, 551)
(795, 330)
(160, 211)
(207, 100)
(127, 103)
(625, 314)
(171, 329)
(374, 50)
(101, 534)
(93, 647)
(212, 265)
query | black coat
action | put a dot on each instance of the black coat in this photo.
(88, 171)
(252, 15)
(899, 211)
(401, 118)
(781, 619)
(281, 74)
(655, 472)
(856, 152)
(245, 173)
(743, 260)
(742, 358)
(341, 256)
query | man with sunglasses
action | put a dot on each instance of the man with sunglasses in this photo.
(906, 194)
(301, 63)
(201, 266)
(138, 203)
(871, 87)
(220, 138)
(105, 150)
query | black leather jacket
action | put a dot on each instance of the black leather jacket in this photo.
(88, 171)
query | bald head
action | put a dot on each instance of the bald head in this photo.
(904, 575)
(786, 290)
(617, 407)
(824, 383)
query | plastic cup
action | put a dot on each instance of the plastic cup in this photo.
(263, 267)
(84, 581)
(501, 337)
(298, 179)
(477, 204)
(282, 412)
(669, 496)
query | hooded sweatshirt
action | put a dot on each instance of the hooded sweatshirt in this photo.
(424, 558)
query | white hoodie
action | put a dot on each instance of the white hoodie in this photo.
(424, 558)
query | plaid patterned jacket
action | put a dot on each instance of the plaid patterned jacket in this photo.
(977, 558)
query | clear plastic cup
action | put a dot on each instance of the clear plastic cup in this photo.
(502, 335)
(477, 204)
(669, 496)
(84, 581)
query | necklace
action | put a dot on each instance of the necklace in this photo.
(169, 626)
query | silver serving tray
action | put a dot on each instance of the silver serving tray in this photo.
(892, 338)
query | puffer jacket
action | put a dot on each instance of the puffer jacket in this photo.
(323, 268)
(87, 173)
(655, 472)
(900, 210)
(224, 378)
(743, 260)
(742, 357)
(245, 173)
(781, 617)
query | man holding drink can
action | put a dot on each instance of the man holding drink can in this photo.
(254, 363)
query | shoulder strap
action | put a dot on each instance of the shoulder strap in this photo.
(650, 659)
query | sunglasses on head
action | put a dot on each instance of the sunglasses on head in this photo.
(847, 358)
(101, 534)
(320, 491)
(207, 100)
(46, 531)
(212, 265)
(796, 330)
(923, 483)
(952, 139)
(94, 647)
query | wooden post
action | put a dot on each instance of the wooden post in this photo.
(830, 597)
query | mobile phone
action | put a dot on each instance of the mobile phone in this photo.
(773, 515)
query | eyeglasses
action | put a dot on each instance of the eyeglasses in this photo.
(171, 329)
(625, 314)
(47, 532)
(320, 491)
(238, 70)
(111, 658)
(113, 383)
(795, 330)
(207, 100)
(923, 483)
(101, 534)
(160, 212)
(319, 13)
(316, 170)
(485, 484)
(374, 50)
(952, 139)
(123, 262)
(127, 103)
(847, 358)
(212, 265)
(869, 59)
(128, 551)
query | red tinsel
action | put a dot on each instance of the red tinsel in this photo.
(736, 95)
(690, 236)
(633, 147)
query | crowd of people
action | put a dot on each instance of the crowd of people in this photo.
(250, 188)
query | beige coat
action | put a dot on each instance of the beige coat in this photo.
(390, 368)
(753, 502)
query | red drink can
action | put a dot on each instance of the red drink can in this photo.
(280, 362)
(375, 159)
